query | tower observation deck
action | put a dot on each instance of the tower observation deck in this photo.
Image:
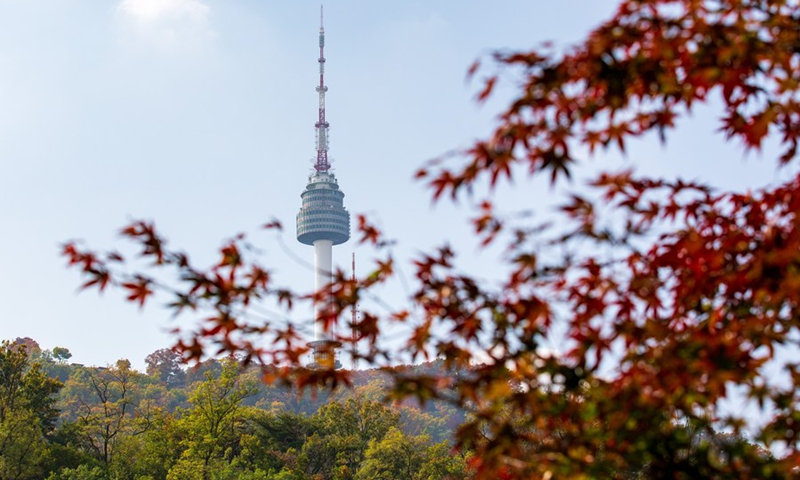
(322, 215)
(322, 221)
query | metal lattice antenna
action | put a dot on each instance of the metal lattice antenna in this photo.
(322, 125)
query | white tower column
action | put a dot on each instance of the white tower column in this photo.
(323, 268)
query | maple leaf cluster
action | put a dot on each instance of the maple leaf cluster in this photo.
(698, 305)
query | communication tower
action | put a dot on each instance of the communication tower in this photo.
(322, 221)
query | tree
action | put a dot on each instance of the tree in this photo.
(54, 363)
(271, 439)
(150, 454)
(200, 371)
(61, 354)
(30, 345)
(24, 385)
(211, 434)
(412, 457)
(669, 300)
(82, 472)
(394, 456)
(27, 413)
(165, 365)
(440, 463)
(343, 432)
(358, 422)
(103, 402)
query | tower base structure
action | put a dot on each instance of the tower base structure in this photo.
(324, 352)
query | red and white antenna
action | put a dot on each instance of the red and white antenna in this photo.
(322, 165)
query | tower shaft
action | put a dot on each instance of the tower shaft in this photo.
(323, 266)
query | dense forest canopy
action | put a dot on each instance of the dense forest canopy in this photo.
(214, 421)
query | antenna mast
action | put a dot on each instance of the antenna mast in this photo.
(322, 165)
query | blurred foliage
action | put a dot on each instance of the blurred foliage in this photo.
(666, 299)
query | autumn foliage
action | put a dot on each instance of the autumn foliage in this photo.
(697, 306)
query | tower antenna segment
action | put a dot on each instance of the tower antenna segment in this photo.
(322, 125)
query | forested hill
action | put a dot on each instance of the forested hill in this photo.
(217, 420)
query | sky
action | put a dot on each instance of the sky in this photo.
(199, 114)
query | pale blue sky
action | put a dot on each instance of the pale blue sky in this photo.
(199, 114)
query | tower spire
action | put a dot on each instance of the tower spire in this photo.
(322, 125)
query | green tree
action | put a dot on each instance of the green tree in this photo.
(394, 456)
(24, 385)
(198, 372)
(61, 354)
(149, 454)
(66, 449)
(442, 463)
(414, 421)
(82, 472)
(344, 430)
(54, 363)
(283, 429)
(22, 445)
(270, 439)
(319, 457)
(27, 413)
(211, 427)
(104, 404)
